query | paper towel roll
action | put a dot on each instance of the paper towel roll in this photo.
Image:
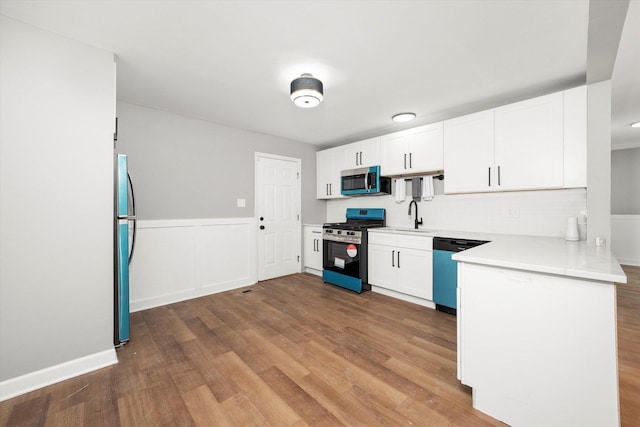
(401, 191)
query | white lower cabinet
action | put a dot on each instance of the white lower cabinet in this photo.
(401, 263)
(534, 347)
(312, 243)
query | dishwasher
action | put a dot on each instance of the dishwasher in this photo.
(445, 270)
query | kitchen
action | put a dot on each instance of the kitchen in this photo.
(161, 142)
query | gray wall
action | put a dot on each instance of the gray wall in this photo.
(56, 199)
(188, 168)
(625, 182)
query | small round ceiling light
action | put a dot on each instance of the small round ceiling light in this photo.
(635, 125)
(403, 117)
(306, 91)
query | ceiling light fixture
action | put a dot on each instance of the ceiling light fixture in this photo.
(403, 117)
(306, 91)
(635, 125)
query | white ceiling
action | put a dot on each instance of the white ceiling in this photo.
(231, 62)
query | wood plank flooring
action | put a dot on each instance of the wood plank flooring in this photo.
(291, 352)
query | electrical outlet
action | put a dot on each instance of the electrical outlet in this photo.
(241, 203)
(513, 213)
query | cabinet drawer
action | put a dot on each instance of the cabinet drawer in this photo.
(424, 243)
(386, 239)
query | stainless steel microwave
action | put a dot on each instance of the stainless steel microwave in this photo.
(364, 181)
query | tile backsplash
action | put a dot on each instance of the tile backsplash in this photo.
(538, 213)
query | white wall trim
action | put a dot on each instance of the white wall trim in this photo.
(625, 245)
(181, 259)
(54, 374)
(194, 222)
(160, 300)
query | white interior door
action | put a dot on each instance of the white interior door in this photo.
(277, 190)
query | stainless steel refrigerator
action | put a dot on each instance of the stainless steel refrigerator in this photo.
(124, 245)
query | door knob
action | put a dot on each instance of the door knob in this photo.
(262, 227)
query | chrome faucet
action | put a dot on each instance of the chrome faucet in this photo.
(416, 222)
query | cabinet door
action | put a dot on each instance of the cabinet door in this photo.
(328, 167)
(468, 153)
(313, 247)
(395, 153)
(322, 185)
(382, 266)
(361, 154)
(426, 148)
(528, 144)
(415, 269)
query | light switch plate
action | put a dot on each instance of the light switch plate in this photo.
(241, 203)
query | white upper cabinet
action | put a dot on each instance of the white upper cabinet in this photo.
(528, 144)
(362, 153)
(539, 143)
(413, 151)
(328, 168)
(468, 153)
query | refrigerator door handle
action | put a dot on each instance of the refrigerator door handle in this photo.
(133, 218)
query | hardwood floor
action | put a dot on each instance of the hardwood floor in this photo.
(293, 351)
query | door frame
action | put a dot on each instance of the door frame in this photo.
(298, 162)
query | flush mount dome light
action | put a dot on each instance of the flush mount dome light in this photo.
(635, 125)
(403, 117)
(306, 91)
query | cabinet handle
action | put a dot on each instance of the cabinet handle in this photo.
(398, 259)
(405, 160)
(489, 176)
(410, 155)
(361, 158)
(393, 258)
(356, 159)
(498, 175)
(330, 189)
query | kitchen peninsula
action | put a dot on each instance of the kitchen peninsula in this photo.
(537, 331)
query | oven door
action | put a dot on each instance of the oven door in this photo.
(341, 257)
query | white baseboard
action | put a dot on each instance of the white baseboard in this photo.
(403, 297)
(54, 374)
(313, 271)
(144, 304)
(629, 261)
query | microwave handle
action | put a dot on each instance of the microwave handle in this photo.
(366, 181)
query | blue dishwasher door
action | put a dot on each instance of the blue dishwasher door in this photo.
(445, 279)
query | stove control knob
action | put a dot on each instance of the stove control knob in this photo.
(352, 233)
(339, 232)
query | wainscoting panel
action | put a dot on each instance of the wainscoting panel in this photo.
(625, 238)
(176, 260)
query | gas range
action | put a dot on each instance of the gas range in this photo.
(345, 248)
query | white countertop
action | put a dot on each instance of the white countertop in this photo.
(552, 255)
